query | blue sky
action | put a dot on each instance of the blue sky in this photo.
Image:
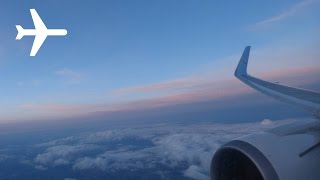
(147, 49)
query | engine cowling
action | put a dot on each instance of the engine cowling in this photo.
(267, 156)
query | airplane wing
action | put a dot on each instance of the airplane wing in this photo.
(289, 151)
(40, 29)
(306, 99)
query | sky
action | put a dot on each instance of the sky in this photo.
(145, 88)
(128, 55)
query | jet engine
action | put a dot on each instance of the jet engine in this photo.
(267, 156)
(290, 154)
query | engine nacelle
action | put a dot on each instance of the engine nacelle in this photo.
(267, 157)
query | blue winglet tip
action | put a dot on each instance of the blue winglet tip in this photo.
(243, 63)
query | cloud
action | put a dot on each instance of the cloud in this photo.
(103, 136)
(291, 11)
(92, 138)
(196, 172)
(122, 159)
(60, 162)
(71, 76)
(63, 141)
(266, 122)
(170, 149)
(61, 154)
(40, 167)
(4, 157)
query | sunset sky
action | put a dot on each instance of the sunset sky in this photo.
(128, 55)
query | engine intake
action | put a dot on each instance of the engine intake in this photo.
(239, 160)
(267, 156)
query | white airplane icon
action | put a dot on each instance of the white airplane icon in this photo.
(40, 32)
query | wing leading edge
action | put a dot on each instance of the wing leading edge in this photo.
(306, 99)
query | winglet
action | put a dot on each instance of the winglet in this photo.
(307, 99)
(243, 63)
(20, 32)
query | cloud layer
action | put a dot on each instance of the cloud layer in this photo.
(161, 149)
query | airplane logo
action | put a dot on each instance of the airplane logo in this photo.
(40, 33)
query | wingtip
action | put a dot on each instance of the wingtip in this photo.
(248, 48)
(243, 63)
